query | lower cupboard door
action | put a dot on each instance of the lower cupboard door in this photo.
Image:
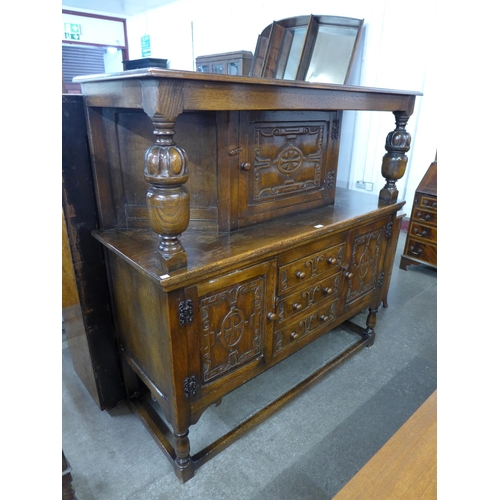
(366, 261)
(231, 334)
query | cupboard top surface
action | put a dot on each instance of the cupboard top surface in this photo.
(142, 73)
(210, 253)
(149, 88)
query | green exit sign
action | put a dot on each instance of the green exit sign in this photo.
(71, 31)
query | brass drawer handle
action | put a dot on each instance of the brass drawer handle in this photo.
(327, 290)
(426, 203)
(331, 260)
(426, 218)
(418, 252)
(323, 317)
(301, 275)
(297, 306)
(271, 317)
(245, 166)
(294, 336)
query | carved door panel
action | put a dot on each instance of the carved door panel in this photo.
(231, 332)
(288, 163)
(364, 273)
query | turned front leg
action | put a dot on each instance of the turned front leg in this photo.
(166, 170)
(184, 467)
(371, 320)
(394, 161)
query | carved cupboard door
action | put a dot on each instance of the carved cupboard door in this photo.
(231, 332)
(365, 271)
(288, 163)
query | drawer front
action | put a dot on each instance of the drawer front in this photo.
(425, 252)
(424, 216)
(305, 299)
(427, 202)
(291, 336)
(425, 232)
(310, 267)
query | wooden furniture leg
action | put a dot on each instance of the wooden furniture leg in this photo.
(68, 493)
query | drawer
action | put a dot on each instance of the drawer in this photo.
(303, 300)
(427, 202)
(291, 336)
(309, 267)
(418, 230)
(425, 216)
(426, 252)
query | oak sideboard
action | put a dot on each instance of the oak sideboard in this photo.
(229, 246)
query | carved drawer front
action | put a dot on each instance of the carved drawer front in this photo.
(305, 299)
(233, 321)
(426, 252)
(365, 271)
(321, 315)
(427, 202)
(310, 268)
(425, 232)
(424, 216)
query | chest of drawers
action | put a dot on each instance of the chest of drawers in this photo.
(421, 240)
(221, 270)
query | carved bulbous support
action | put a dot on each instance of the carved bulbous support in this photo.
(165, 169)
(395, 160)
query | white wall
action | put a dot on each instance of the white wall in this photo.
(397, 51)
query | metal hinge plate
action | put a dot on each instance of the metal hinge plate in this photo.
(190, 386)
(185, 311)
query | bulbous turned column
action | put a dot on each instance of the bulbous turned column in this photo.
(165, 169)
(394, 161)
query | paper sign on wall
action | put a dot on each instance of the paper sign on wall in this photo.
(145, 46)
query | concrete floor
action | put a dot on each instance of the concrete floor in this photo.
(306, 451)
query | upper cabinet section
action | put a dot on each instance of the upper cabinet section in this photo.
(311, 48)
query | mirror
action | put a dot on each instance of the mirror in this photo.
(298, 36)
(311, 48)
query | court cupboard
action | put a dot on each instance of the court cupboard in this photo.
(229, 246)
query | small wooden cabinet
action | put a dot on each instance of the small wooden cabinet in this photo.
(223, 264)
(421, 239)
(226, 63)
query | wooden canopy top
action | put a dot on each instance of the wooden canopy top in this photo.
(194, 91)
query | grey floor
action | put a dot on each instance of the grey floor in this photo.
(307, 451)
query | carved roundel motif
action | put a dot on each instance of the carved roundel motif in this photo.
(232, 327)
(364, 263)
(289, 160)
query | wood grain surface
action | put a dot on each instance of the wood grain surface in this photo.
(406, 466)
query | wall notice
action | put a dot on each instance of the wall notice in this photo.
(145, 46)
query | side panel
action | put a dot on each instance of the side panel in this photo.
(120, 165)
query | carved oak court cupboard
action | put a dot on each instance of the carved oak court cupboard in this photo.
(229, 247)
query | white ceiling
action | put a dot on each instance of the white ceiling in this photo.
(116, 7)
